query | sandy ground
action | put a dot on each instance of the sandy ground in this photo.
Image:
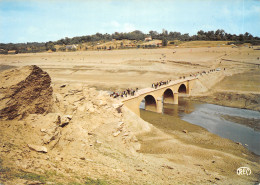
(88, 147)
(119, 69)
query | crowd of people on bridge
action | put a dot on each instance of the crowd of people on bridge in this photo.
(125, 93)
(199, 73)
(159, 84)
(131, 92)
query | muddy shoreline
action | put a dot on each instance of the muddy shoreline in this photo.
(229, 99)
(234, 100)
(192, 134)
(253, 123)
(193, 138)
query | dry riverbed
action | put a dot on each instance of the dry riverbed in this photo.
(91, 147)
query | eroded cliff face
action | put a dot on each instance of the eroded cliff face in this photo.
(24, 91)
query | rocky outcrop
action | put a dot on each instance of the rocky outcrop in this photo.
(38, 148)
(24, 91)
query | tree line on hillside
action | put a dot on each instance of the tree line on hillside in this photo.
(165, 36)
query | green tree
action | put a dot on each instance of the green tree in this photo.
(49, 45)
(164, 42)
(241, 37)
(62, 48)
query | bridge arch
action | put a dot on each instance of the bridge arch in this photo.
(150, 103)
(182, 89)
(168, 96)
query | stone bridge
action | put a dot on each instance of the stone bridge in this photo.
(154, 98)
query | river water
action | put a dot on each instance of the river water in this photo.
(219, 120)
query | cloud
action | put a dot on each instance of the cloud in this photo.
(115, 24)
(127, 27)
(256, 9)
(32, 30)
(226, 11)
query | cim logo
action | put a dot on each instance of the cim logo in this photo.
(244, 171)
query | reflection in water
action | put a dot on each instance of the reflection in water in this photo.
(212, 117)
(186, 107)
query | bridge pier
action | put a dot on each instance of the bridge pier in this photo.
(168, 100)
(176, 98)
(159, 105)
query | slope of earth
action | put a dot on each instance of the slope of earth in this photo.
(87, 137)
(240, 90)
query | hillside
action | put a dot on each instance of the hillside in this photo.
(204, 44)
(134, 39)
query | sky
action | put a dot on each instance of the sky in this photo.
(50, 20)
